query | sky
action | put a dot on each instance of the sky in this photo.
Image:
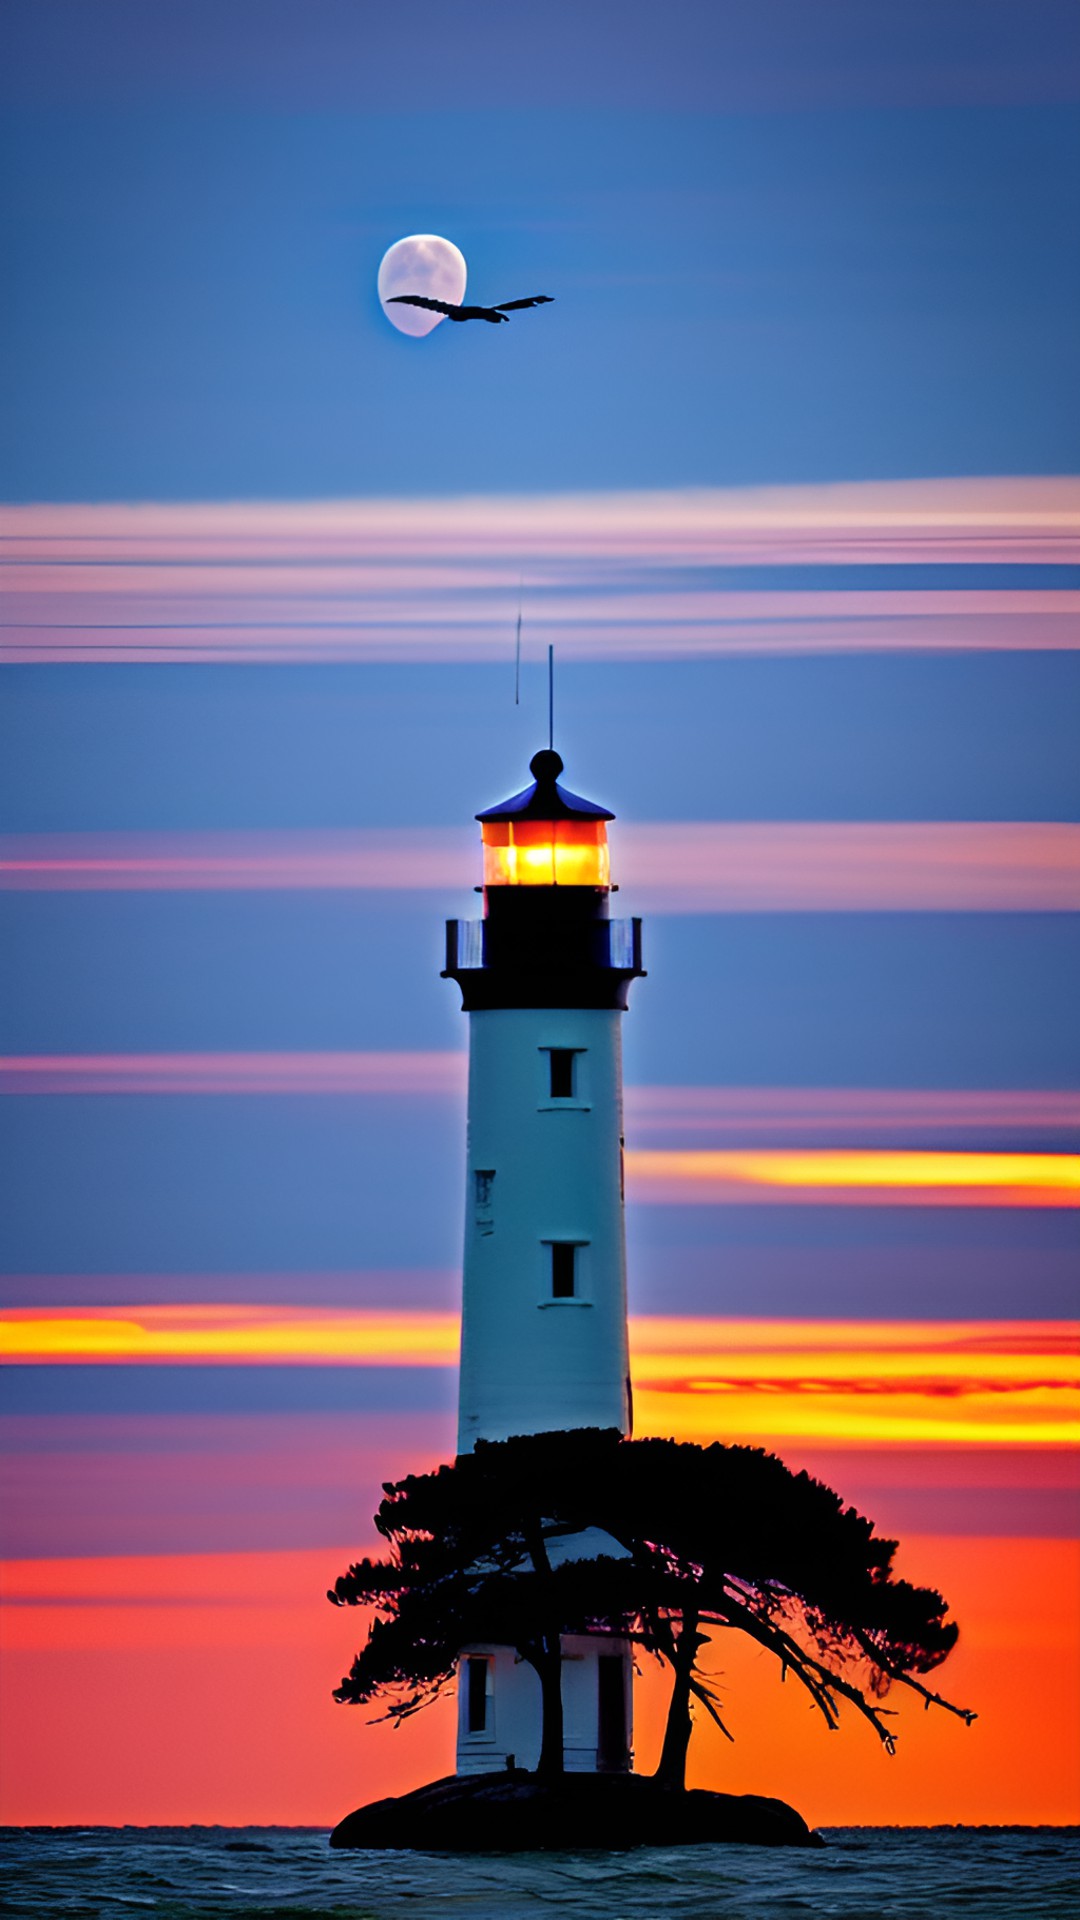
(786, 474)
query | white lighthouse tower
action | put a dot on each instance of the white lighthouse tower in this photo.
(544, 978)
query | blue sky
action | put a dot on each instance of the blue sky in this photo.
(787, 244)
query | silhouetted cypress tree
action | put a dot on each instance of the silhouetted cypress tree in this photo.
(701, 1537)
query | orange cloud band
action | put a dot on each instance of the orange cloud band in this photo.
(89, 1637)
(232, 1334)
(999, 1383)
(875, 1383)
(670, 867)
(855, 1176)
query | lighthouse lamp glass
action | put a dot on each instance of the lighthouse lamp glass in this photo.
(546, 853)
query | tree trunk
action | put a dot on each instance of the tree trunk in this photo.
(549, 1668)
(545, 1656)
(671, 1771)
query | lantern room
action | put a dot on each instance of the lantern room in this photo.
(546, 938)
(546, 836)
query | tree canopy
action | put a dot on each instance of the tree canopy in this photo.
(686, 1540)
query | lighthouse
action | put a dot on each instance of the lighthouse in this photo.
(544, 978)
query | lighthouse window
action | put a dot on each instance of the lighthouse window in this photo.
(485, 1201)
(562, 1073)
(476, 1695)
(563, 1269)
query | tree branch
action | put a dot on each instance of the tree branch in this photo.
(886, 1666)
(708, 1700)
(820, 1682)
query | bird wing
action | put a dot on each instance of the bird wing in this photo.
(534, 300)
(421, 300)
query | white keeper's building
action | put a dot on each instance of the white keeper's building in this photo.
(544, 977)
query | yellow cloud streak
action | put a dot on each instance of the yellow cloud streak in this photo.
(853, 1383)
(658, 1333)
(214, 1333)
(858, 1174)
(861, 1419)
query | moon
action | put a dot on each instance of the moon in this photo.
(421, 263)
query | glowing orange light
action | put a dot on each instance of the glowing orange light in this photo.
(546, 853)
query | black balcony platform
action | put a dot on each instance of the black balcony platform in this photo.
(544, 947)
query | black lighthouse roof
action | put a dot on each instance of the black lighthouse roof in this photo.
(545, 799)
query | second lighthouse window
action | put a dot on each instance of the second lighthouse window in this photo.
(562, 1072)
(563, 1269)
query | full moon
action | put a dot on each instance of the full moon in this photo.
(422, 263)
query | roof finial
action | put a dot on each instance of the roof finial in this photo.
(551, 700)
(546, 800)
(546, 766)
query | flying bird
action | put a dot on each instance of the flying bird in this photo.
(494, 314)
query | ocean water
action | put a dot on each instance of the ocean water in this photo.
(273, 1873)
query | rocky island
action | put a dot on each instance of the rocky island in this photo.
(513, 1812)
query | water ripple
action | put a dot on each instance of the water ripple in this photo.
(205, 1873)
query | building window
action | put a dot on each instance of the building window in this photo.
(484, 1182)
(561, 1061)
(563, 1269)
(476, 1695)
(613, 1746)
(564, 1080)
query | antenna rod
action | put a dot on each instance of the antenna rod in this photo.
(517, 652)
(551, 697)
